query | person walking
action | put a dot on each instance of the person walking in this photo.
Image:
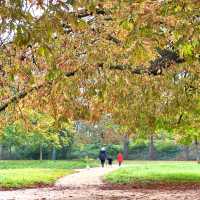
(120, 158)
(102, 156)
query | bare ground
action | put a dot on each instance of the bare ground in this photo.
(88, 185)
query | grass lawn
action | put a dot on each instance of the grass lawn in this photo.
(158, 171)
(19, 174)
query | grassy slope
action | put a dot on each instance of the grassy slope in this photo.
(156, 172)
(17, 174)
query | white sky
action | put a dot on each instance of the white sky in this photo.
(35, 11)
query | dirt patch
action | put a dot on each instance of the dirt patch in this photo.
(98, 194)
(37, 185)
(152, 186)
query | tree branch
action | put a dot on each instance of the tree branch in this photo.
(113, 39)
(23, 94)
(180, 118)
(156, 67)
(166, 59)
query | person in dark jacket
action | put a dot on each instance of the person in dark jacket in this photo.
(102, 156)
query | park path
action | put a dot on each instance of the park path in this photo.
(85, 178)
(86, 185)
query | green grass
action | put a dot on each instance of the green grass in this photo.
(19, 174)
(18, 178)
(45, 164)
(141, 172)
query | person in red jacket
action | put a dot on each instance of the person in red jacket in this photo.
(120, 158)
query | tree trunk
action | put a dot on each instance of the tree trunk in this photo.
(152, 151)
(196, 149)
(41, 152)
(126, 144)
(65, 152)
(1, 152)
(53, 155)
(10, 152)
(186, 152)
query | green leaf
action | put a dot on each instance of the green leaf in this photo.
(53, 74)
(126, 25)
(186, 50)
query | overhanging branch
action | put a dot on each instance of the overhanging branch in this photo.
(166, 59)
(156, 67)
(23, 94)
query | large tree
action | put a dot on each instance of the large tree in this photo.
(66, 61)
